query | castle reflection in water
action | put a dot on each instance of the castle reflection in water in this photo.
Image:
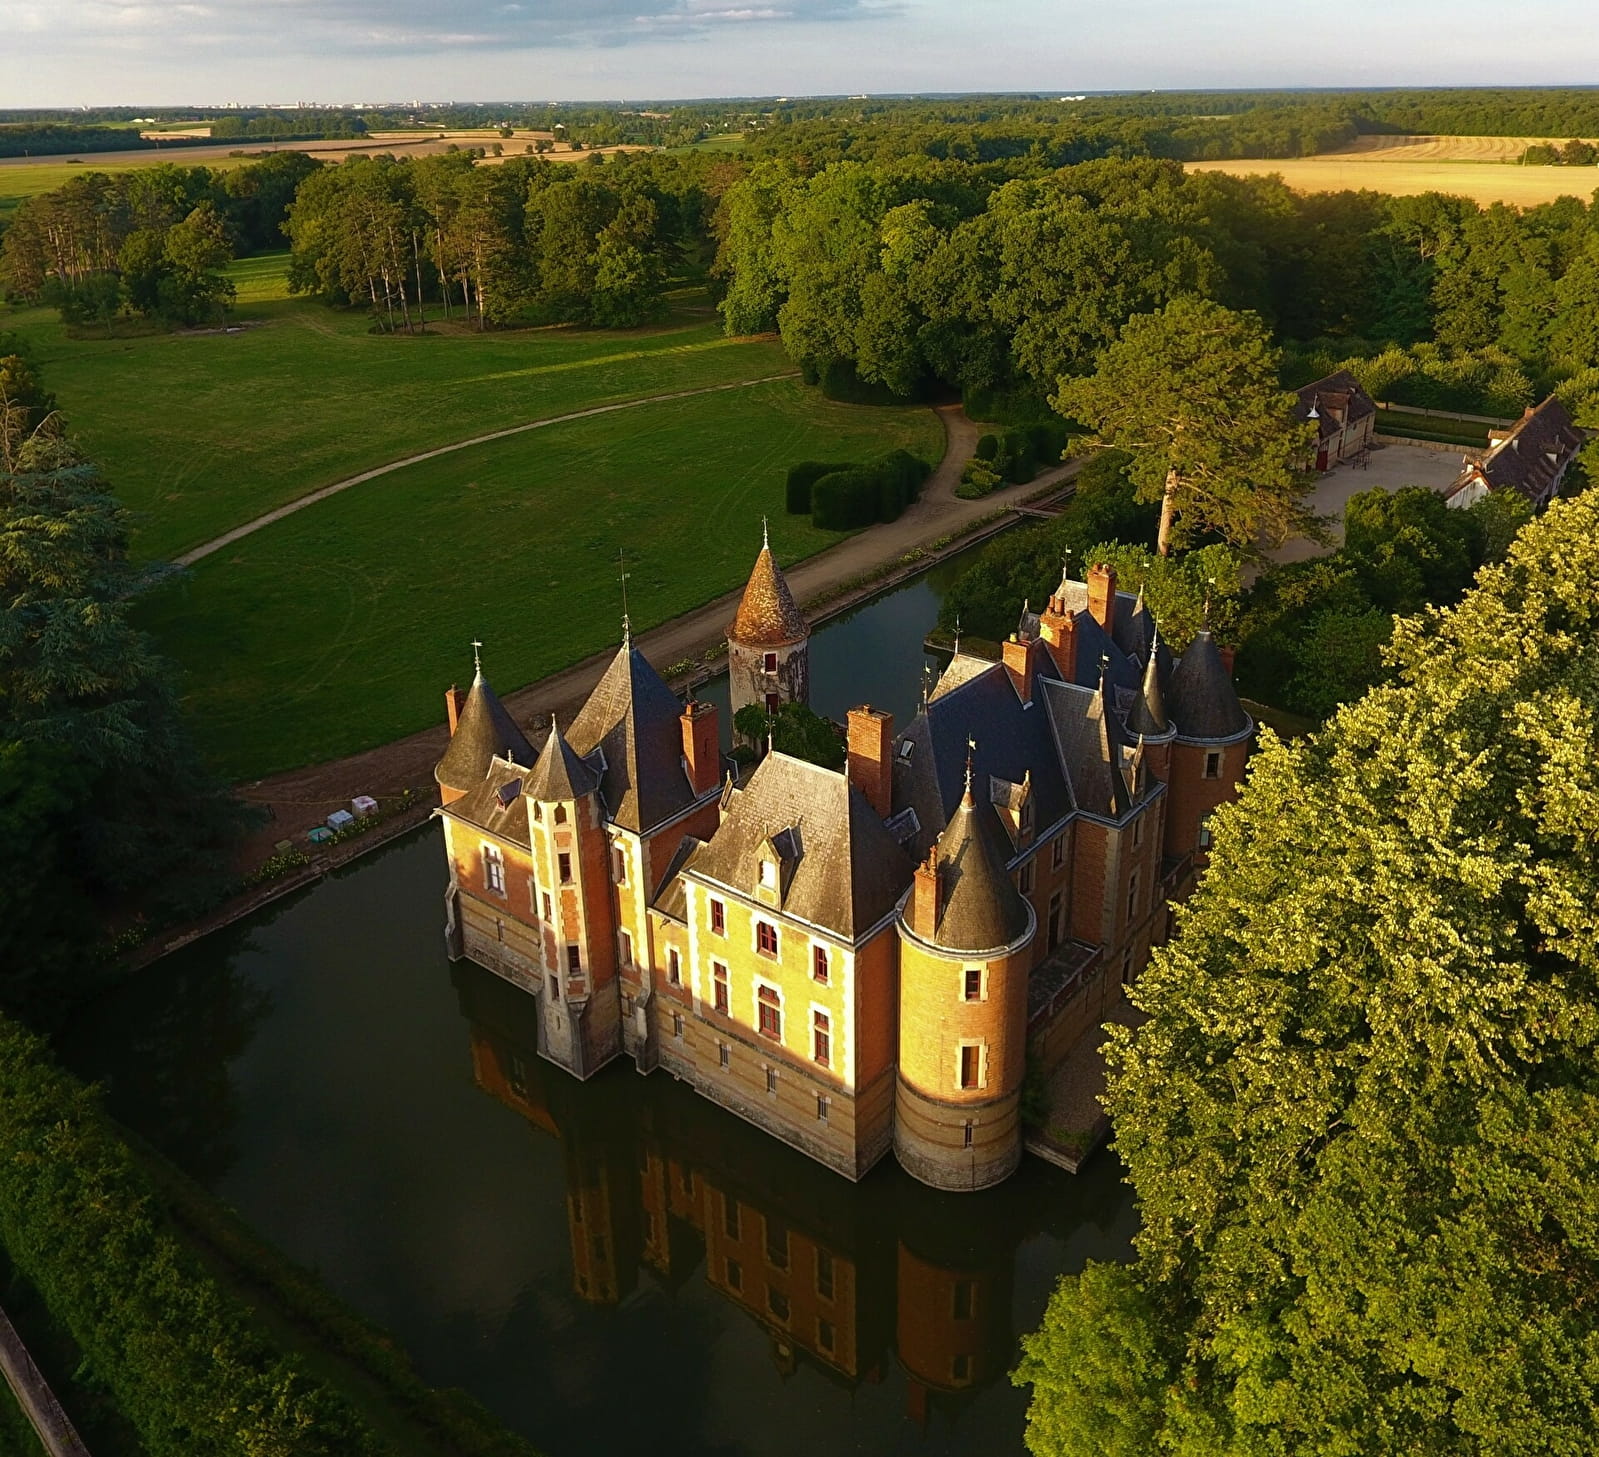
(669, 1188)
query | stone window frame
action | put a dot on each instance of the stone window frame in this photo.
(758, 925)
(721, 989)
(824, 1015)
(821, 960)
(717, 917)
(1213, 761)
(760, 992)
(493, 859)
(982, 984)
(979, 1046)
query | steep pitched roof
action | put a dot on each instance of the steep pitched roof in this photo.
(1093, 747)
(844, 870)
(632, 717)
(495, 804)
(1531, 458)
(981, 909)
(559, 773)
(1201, 698)
(1148, 714)
(767, 614)
(485, 729)
(1339, 401)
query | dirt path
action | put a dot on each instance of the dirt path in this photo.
(189, 558)
(301, 798)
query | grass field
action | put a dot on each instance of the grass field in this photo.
(1432, 427)
(337, 629)
(202, 432)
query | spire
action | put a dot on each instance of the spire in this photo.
(1149, 713)
(767, 615)
(559, 773)
(1203, 703)
(485, 731)
(981, 908)
(627, 623)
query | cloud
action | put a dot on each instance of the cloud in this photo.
(397, 26)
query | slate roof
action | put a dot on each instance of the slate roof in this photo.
(1531, 457)
(559, 773)
(1093, 747)
(632, 718)
(1339, 402)
(1201, 698)
(981, 909)
(1148, 715)
(848, 873)
(672, 900)
(767, 614)
(485, 729)
(502, 814)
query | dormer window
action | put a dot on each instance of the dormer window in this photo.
(768, 875)
(906, 748)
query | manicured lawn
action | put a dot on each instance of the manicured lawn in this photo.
(1431, 427)
(338, 628)
(201, 432)
(261, 279)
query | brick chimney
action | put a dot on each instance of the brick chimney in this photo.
(1102, 596)
(925, 897)
(702, 745)
(454, 702)
(1019, 664)
(1058, 631)
(871, 756)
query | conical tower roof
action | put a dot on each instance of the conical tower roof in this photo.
(559, 773)
(484, 730)
(1202, 699)
(982, 909)
(1148, 715)
(767, 614)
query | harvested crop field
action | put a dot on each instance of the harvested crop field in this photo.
(1481, 168)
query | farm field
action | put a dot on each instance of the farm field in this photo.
(1481, 168)
(201, 432)
(337, 629)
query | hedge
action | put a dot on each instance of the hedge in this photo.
(854, 496)
(840, 382)
(801, 478)
(177, 1353)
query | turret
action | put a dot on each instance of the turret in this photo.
(965, 934)
(768, 641)
(480, 730)
(1211, 747)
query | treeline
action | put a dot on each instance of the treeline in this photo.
(1361, 1118)
(43, 139)
(919, 272)
(153, 240)
(284, 126)
(525, 240)
(104, 803)
(1575, 153)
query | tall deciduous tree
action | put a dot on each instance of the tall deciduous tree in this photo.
(1191, 392)
(1363, 1116)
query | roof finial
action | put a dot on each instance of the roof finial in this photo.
(957, 634)
(627, 622)
(927, 684)
(1210, 586)
(971, 748)
(766, 539)
(477, 657)
(1104, 670)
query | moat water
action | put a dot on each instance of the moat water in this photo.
(614, 1267)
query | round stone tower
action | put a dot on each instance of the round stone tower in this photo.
(965, 935)
(768, 642)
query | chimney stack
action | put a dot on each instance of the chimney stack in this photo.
(871, 759)
(701, 746)
(454, 702)
(1059, 634)
(1102, 596)
(1019, 663)
(925, 898)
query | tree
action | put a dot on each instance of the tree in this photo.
(795, 730)
(1191, 393)
(1362, 1118)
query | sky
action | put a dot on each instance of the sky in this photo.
(210, 52)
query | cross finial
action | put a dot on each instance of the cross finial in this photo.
(627, 623)
(477, 656)
(766, 539)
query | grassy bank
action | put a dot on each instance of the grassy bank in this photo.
(337, 628)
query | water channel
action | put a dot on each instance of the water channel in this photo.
(612, 1267)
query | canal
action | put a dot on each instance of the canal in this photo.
(612, 1267)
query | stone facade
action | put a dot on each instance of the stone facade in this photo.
(862, 961)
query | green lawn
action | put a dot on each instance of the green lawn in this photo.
(202, 432)
(1432, 427)
(338, 628)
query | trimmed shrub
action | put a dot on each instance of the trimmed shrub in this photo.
(987, 447)
(1017, 461)
(900, 475)
(845, 499)
(840, 382)
(1017, 405)
(802, 477)
(810, 372)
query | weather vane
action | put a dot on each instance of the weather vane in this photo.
(627, 622)
(477, 660)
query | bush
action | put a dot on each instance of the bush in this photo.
(801, 479)
(177, 1353)
(845, 500)
(899, 482)
(1017, 405)
(1017, 460)
(976, 481)
(840, 382)
(988, 448)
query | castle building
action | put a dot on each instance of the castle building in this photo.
(853, 961)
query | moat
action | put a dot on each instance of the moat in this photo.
(610, 1267)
